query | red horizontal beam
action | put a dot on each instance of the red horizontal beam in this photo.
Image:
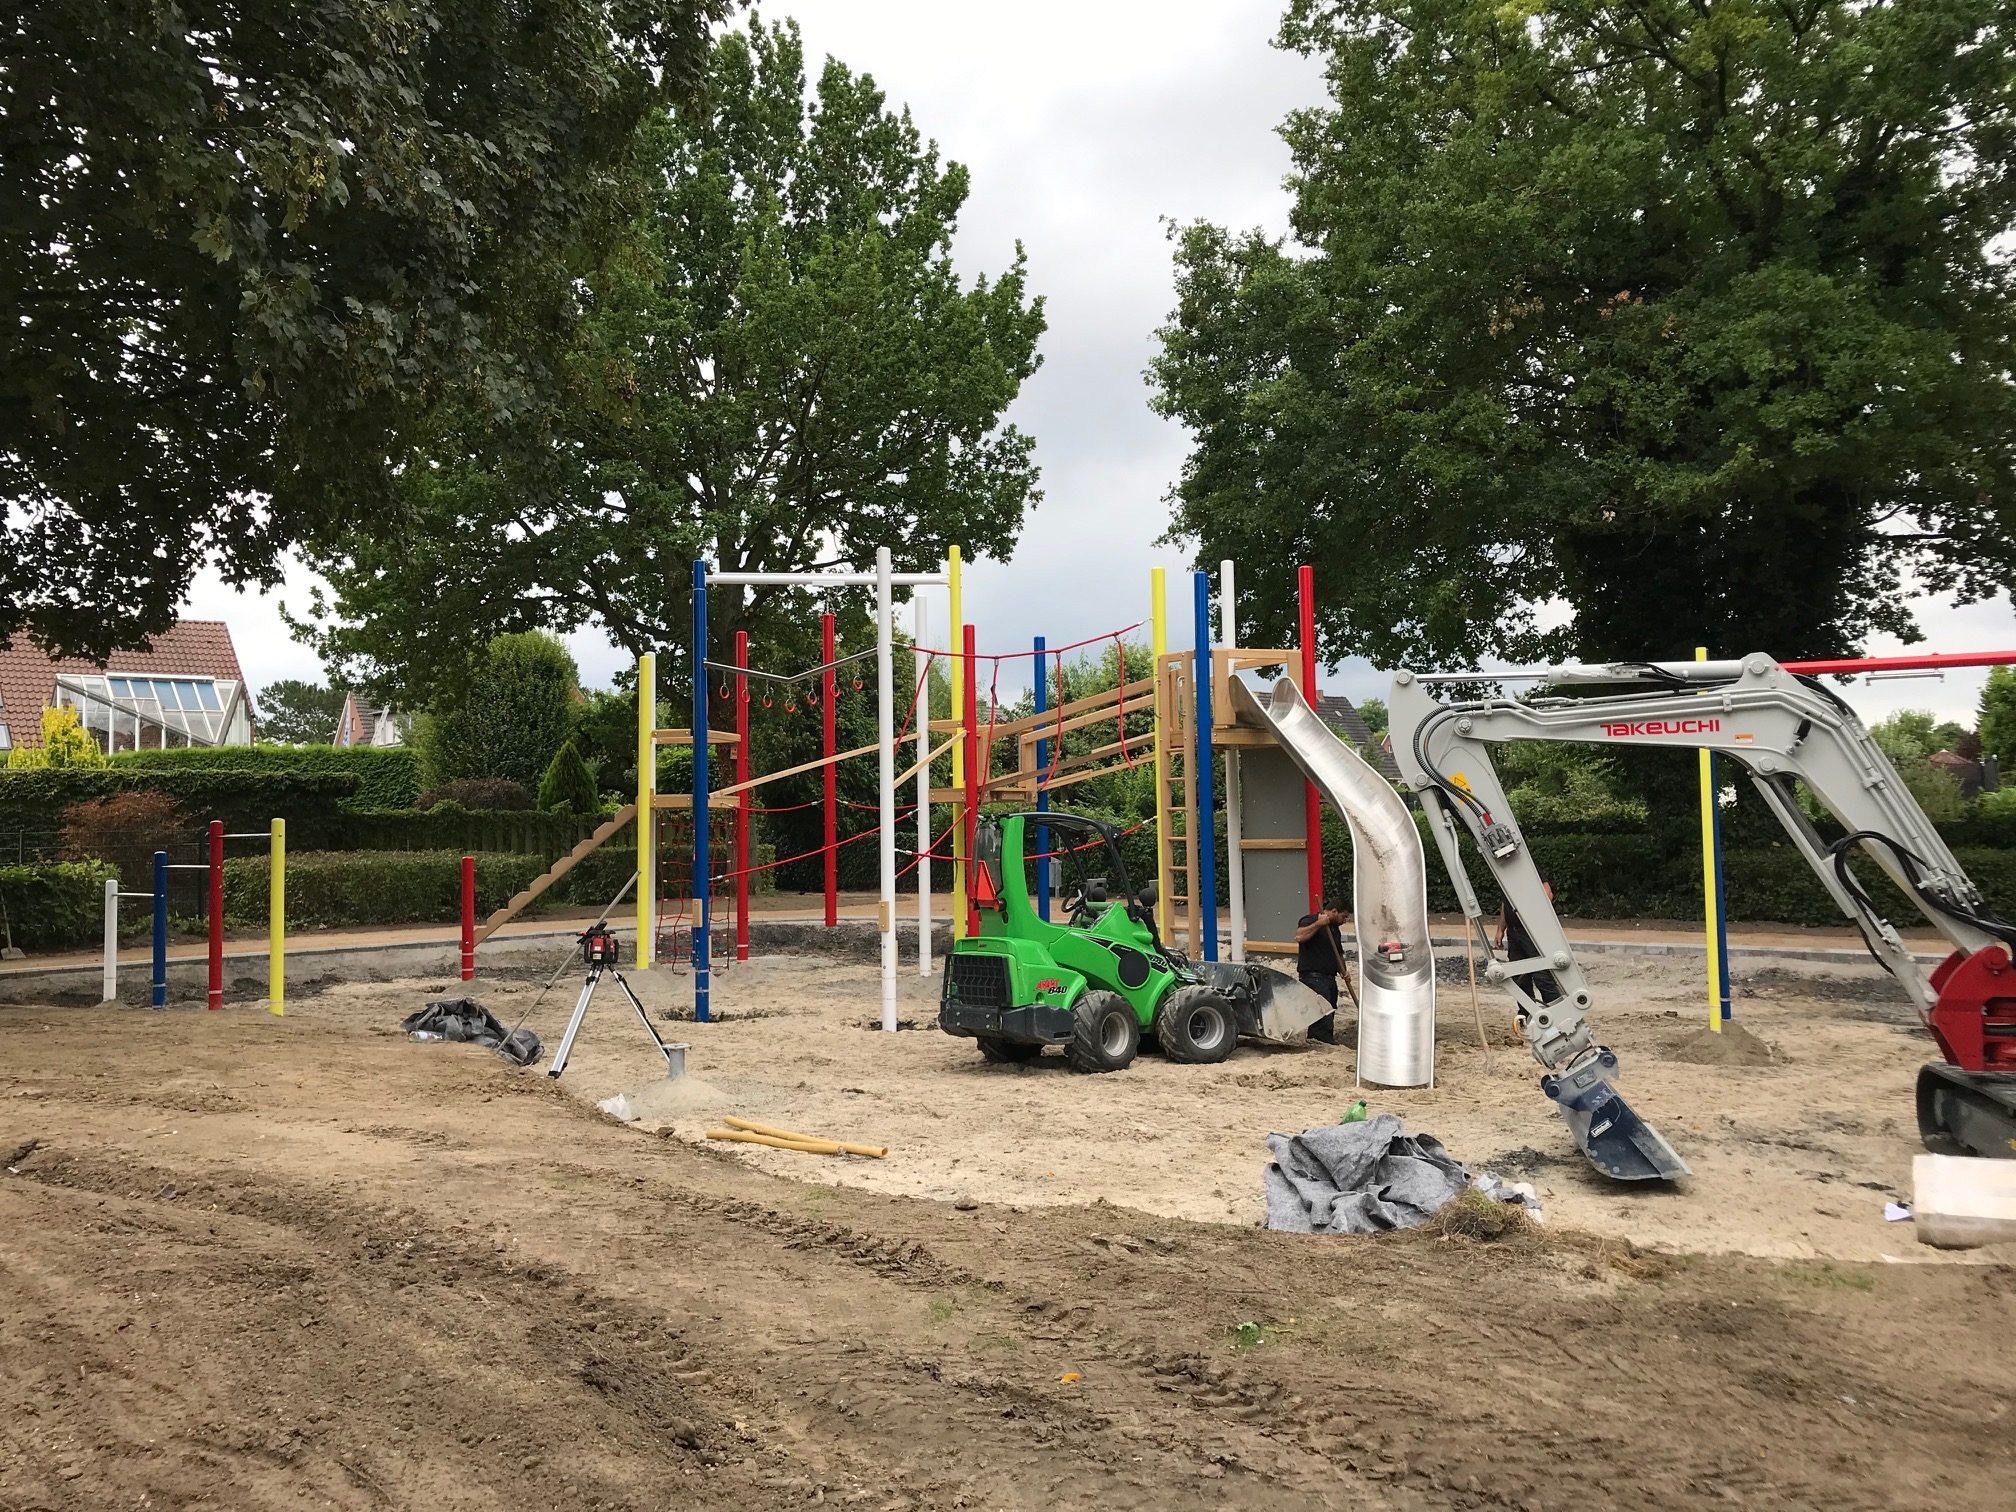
(1926, 663)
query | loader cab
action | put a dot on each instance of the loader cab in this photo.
(1090, 874)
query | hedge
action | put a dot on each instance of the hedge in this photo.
(449, 826)
(33, 802)
(387, 777)
(56, 905)
(342, 889)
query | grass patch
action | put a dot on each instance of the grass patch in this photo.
(1827, 1274)
(1254, 1335)
(1472, 1215)
(942, 1309)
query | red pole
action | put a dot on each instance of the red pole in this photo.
(468, 918)
(972, 819)
(1312, 806)
(1925, 663)
(742, 798)
(829, 691)
(216, 913)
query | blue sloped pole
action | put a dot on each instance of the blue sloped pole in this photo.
(1042, 792)
(1202, 850)
(703, 898)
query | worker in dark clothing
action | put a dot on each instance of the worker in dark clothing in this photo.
(1319, 955)
(1518, 946)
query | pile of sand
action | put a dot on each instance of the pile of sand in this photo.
(1733, 1046)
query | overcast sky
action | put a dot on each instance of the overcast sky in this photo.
(1085, 125)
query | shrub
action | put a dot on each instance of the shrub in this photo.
(511, 717)
(124, 829)
(32, 803)
(567, 786)
(345, 889)
(65, 744)
(387, 777)
(478, 793)
(57, 905)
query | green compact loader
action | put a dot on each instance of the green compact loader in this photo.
(1102, 982)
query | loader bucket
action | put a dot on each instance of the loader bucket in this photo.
(1272, 1005)
(1607, 1129)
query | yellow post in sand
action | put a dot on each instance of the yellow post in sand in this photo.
(276, 919)
(1709, 891)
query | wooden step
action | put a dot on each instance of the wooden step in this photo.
(557, 870)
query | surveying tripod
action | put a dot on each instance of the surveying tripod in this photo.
(599, 954)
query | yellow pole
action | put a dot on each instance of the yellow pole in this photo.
(276, 921)
(647, 814)
(1158, 647)
(956, 640)
(1707, 768)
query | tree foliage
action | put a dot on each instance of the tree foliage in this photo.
(294, 712)
(567, 786)
(1997, 720)
(510, 717)
(251, 246)
(779, 369)
(1687, 311)
(65, 743)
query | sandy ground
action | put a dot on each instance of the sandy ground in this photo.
(249, 1262)
(1794, 1157)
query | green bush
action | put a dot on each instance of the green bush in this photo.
(57, 905)
(347, 889)
(478, 793)
(33, 802)
(567, 787)
(387, 777)
(449, 826)
(511, 716)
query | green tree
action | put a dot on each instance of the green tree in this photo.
(1688, 311)
(1997, 718)
(65, 743)
(251, 246)
(294, 712)
(568, 786)
(1373, 712)
(780, 368)
(510, 718)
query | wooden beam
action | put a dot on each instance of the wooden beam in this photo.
(1139, 688)
(684, 802)
(912, 769)
(685, 737)
(1247, 843)
(794, 771)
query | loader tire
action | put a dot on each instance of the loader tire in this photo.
(1007, 1052)
(1105, 1035)
(1196, 1026)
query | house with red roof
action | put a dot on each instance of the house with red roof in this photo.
(184, 689)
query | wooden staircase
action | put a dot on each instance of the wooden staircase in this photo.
(556, 871)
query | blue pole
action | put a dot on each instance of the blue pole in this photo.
(1203, 852)
(160, 998)
(1721, 904)
(1042, 791)
(703, 899)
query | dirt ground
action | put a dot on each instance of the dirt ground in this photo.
(1795, 1157)
(253, 1262)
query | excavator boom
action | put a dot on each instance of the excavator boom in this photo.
(1782, 730)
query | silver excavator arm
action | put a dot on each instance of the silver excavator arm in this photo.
(1780, 728)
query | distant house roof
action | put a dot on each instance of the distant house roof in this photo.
(1337, 712)
(357, 724)
(189, 648)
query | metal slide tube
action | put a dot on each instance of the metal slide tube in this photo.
(1396, 964)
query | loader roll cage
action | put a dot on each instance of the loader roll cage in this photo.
(1084, 888)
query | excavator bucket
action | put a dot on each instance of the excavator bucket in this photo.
(1271, 1005)
(1617, 1141)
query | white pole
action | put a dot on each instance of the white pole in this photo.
(923, 718)
(111, 938)
(885, 721)
(1235, 857)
